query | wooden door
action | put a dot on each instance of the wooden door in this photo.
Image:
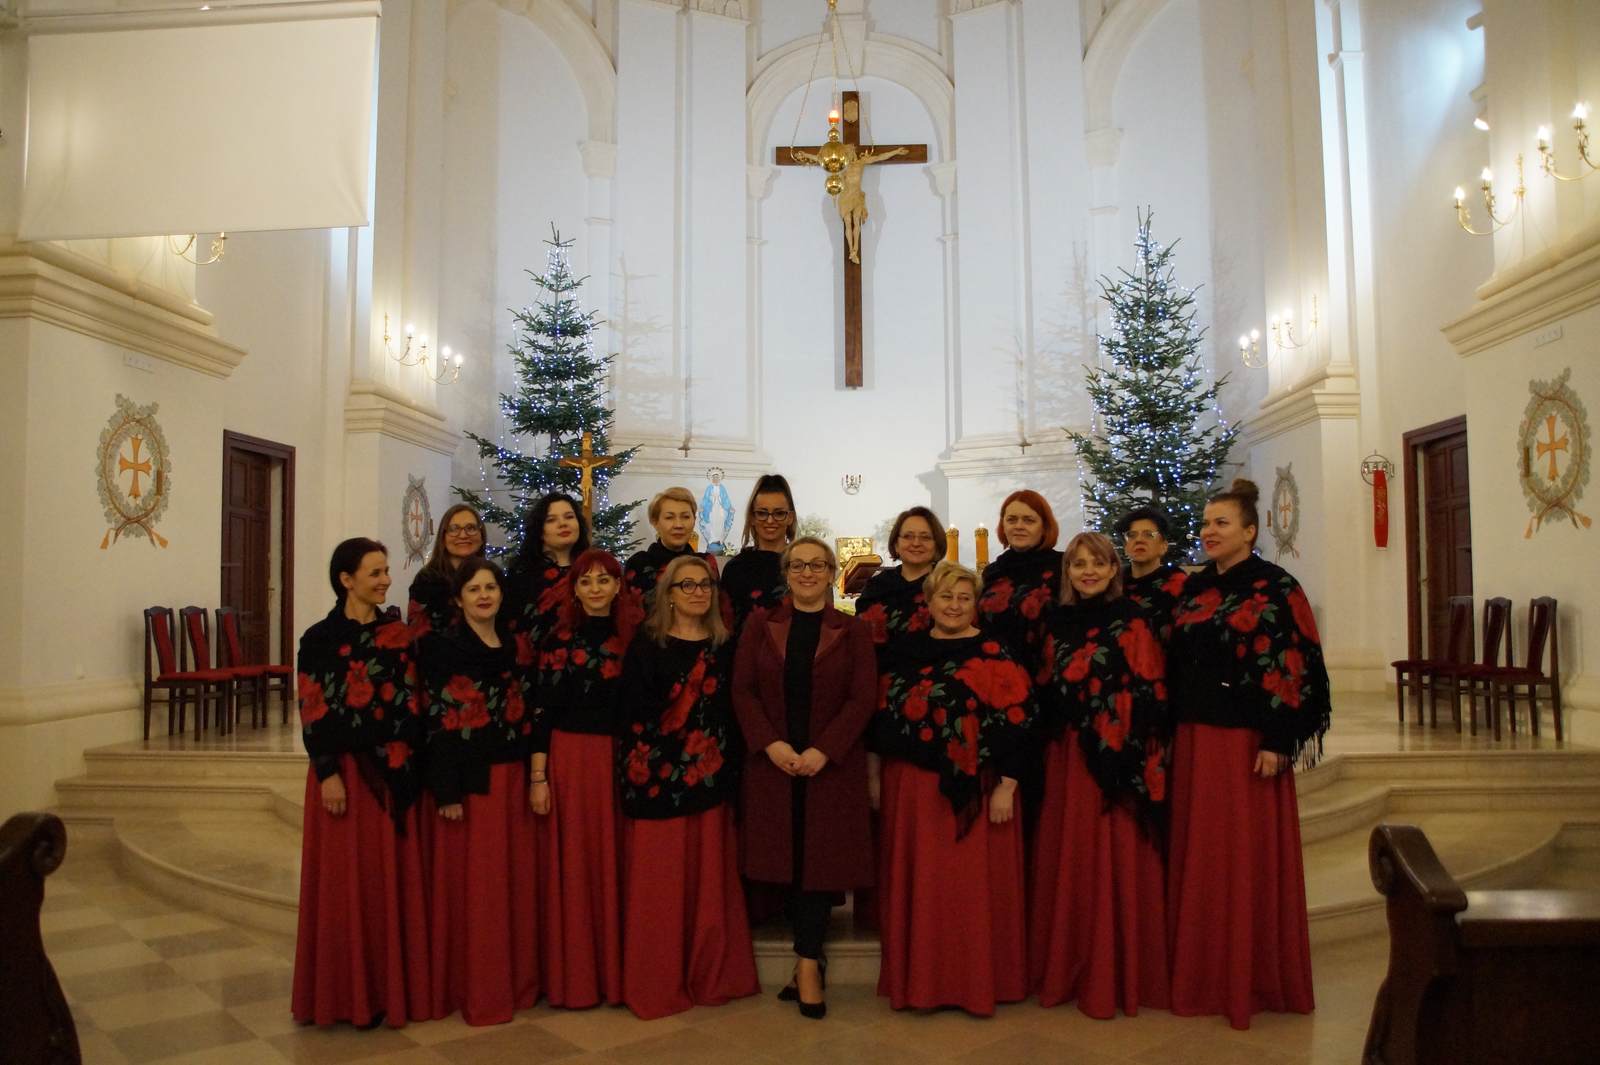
(250, 584)
(1438, 503)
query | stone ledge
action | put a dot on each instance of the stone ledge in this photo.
(51, 284)
(1554, 285)
(1331, 397)
(374, 408)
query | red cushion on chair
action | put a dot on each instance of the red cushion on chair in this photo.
(210, 676)
(245, 672)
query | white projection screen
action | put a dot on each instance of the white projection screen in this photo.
(200, 129)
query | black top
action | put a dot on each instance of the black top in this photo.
(579, 677)
(644, 568)
(1157, 592)
(752, 579)
(1019, 588)
(477, 712)
(798, 658)
(680, 749)
(534, 598)
(428, 606)
(893, 609)
(1246, 654)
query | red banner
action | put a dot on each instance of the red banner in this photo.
(1380, 508)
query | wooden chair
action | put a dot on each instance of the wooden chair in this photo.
(1422, 672)
(165, 674)
(1466, 679)
(263, 677)
(36, 1025)
(1543, 628)
(1479, 977)
(197, 643)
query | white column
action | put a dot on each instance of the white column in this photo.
(758, 185)
(600, 166)
(993, 324)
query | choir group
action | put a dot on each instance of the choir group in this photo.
(580, 779)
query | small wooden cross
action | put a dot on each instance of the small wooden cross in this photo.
(587, 462)
(903, 153)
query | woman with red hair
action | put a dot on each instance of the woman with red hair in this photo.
(1020, 584)
(572, 782)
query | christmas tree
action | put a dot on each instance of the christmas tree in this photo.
(561, 394)
(1158, 437)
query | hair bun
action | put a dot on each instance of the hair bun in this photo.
(1246, 490)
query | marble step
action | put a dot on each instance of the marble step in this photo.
(1353, 804)
(131, 761)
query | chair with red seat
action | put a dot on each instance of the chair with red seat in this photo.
(197, 642)
(263, 677)
(167, 674)
(1543, 629)
(1423, 673)
(1467, 679)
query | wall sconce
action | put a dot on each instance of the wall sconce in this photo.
(1250, 349)
(448, 367)
(1464, 217)
(851, 483)
(1282, 328)
(1547, 155)
(218, 248)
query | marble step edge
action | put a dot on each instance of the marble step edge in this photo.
(1352, 799)
(166, 765)
(89, 792)
(241, 903)
(1408, 766)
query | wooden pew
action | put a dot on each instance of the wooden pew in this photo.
(1480, 976)
(35, 1025)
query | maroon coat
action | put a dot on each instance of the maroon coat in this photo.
(844, 694)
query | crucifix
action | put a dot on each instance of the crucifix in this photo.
(587, 462)
(844, 158)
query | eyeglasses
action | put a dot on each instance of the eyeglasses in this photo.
(772, 515)
(463, 530)
(688, 587)
(816, 565)
(1141, 534)
(916, 538)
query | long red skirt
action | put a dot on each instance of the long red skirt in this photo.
(484, 930)
(1097, 918)
(685, 936)
(362, 948)
(580, 853)
(1236, 898)
(952, 911)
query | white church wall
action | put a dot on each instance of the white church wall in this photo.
(515, 116)
(913, 20)
(891, 431)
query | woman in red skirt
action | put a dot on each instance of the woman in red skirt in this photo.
(951, 728)
(485, 886)
(362, 951)
(573, 786)
(685, 936)
(1097, 915)
(1250, 694)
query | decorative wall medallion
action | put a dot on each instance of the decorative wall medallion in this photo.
(1284, 518)
(416, 520)
(134, 473)
(1554, 443)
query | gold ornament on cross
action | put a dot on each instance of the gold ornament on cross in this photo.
(586, 461)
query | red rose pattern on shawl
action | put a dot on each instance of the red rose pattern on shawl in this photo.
(961, 706)
(685, 747)
(1013, 607)
(365, 684)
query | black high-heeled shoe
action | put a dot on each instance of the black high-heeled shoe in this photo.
(791, 991)
(814, 1010)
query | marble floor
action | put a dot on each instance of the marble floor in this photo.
(150, 982)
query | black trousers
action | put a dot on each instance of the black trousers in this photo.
(808, 911)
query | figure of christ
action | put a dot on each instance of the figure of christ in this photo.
(852, 201)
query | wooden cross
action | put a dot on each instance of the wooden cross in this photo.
(902, 153)
(587, 461)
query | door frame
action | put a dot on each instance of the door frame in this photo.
(232, 441)
(1414, 442)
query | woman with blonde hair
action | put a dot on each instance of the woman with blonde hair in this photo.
(1097, 915)
(805, 686)
(672, 512)
(954, 718)
(686, 937)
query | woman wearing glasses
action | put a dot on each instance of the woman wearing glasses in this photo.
(753, 577)
(553, 534)
(805, 686)
(430, 607)
(686, 939)
(1150, 580)
(892, 604)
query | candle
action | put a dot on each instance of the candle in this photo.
(981, 545)
(1580, 112)
(833, 117)
(1544, 138)
(1487, 176)
(1461, 195)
